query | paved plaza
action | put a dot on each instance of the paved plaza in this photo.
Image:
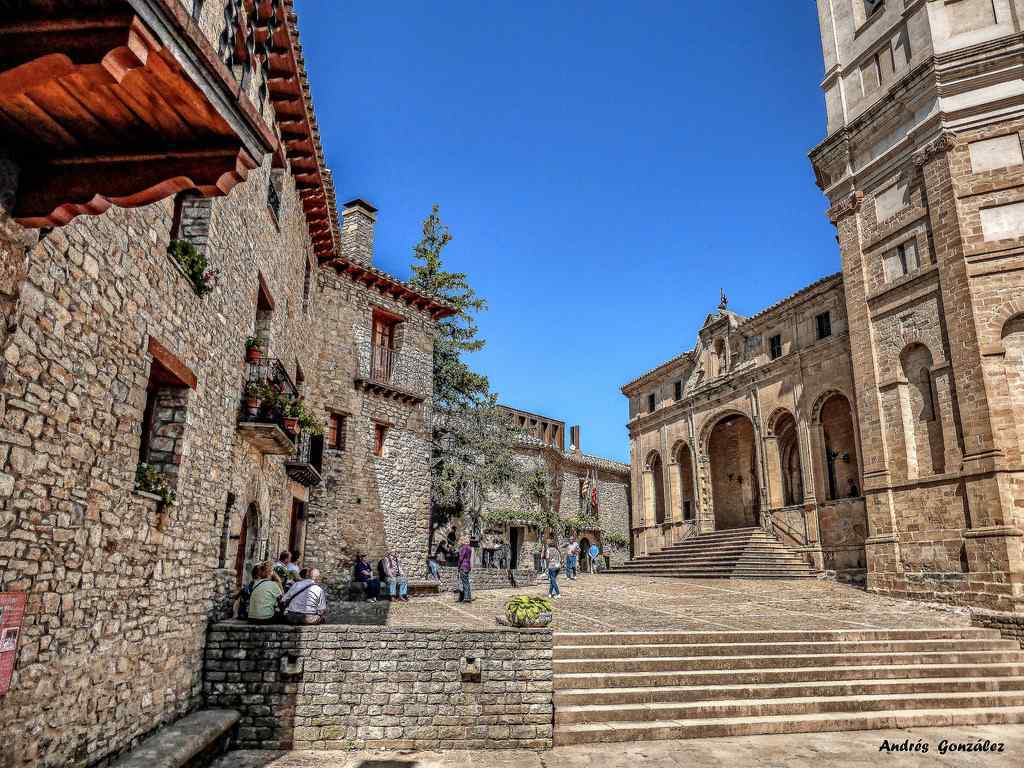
(814, 750)
(619, 602)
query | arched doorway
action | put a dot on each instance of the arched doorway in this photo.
(1013, 342)
(654, 492)
(789, 460)
(735, 493)
(841, 470)
(684, 465)
(925, 444)
(245, 556)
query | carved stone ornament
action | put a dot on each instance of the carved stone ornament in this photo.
(846, 206)
(936, 146)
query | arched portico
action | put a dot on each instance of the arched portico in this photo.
(732, 457)
(654, 487)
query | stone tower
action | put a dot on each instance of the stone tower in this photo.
(924, 173)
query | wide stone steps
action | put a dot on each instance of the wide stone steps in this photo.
(590, 733)
(623, 686)
(746, 553)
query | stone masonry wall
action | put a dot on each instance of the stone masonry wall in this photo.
(366, 502)
(119, 592)
(1010, 625)
(346, 687)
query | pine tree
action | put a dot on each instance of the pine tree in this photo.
(472, 438)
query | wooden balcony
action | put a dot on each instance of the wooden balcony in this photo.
(380, 376)
(306, 466)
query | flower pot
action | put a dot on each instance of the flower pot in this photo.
(252, 406)
(253, 355)
(291, 423)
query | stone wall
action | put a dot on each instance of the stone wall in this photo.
(487, 578)
(1010, 625)
(369, 503)
(346, 687)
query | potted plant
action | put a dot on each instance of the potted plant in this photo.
(252, 349)
(310, 423)
(291, 410)
(253, 397)
(525, 611)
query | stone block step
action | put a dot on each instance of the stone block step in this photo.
(586, 681)
(805, 705)
(747, 726)
(713, 556)
(620, 651)
(715, 574)
(751, 636)
(690, 693)
(768, 661)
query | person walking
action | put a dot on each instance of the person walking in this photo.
(553, 555)
(306, 601)
(396, 578)
(572, 559)
(465, 568)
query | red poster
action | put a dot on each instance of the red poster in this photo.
(12, 609)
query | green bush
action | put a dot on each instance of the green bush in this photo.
(149, 480)
(195, 266)
(524, 609)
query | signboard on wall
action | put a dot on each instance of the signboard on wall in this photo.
(12, 610)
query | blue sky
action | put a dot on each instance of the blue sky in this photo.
(604, 167)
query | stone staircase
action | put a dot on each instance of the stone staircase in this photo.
(739, 553)
(641, 686)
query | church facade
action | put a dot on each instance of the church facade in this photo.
(923, 169)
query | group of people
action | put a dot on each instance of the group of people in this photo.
(390, 571)
(283, 592)
(552, 557)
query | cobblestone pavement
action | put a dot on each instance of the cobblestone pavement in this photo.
(813, 750)
(620, 602)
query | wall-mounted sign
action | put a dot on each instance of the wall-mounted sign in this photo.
(12, 609)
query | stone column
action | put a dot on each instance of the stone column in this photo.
(774, 492)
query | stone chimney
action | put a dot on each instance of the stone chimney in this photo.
(574, 438)
(358, 218)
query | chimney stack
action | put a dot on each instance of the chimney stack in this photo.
(358, 219)
(574, 437)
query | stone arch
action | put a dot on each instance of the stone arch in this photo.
(786, 466)
(834, 415)
(1012, 337)
(922, 422)
(731, 449)
(248, 542)
(654, 486)
(682, 480)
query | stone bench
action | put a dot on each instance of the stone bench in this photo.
(357, 590)
(191, 742)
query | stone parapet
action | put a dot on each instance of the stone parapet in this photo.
(1010, 625)
(345, 687)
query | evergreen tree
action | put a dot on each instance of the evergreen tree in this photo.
(472, 439)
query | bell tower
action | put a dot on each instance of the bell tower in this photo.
(924, 174)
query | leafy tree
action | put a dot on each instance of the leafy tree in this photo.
(472, 439)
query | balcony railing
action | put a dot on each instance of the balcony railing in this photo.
(390, 374)
(382, 363)
(263, 422)
(306, 466)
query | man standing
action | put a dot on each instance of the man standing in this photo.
(465, 566)
(594, 552)
(572, 558)
(395, 576)
(306, 601)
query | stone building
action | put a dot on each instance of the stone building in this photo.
(924, 172)
(754, 427)
(163, 131)
(573, 476)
